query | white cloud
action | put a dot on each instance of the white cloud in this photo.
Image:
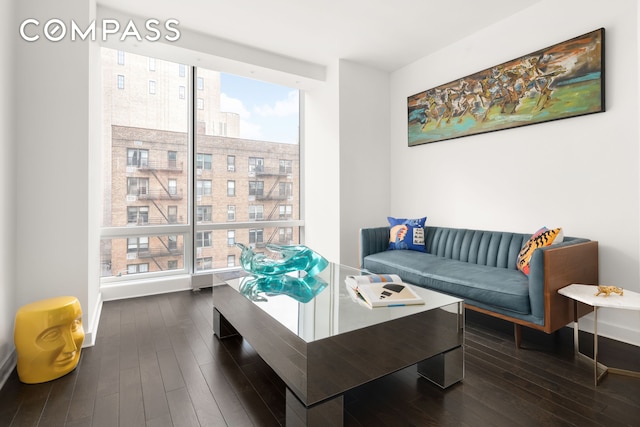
(286, 107)
(250, 130)
(232, 105)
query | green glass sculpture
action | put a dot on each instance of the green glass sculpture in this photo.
(293, 274)
(294, 258)
(302, 289)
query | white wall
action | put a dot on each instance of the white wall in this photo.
(364, 154)
(346, 146)
(56, 246)
(579, 173)
(7, 195)
(93, 104)
(320, 129)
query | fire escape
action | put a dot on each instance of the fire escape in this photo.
(172, 168)
(281, 174)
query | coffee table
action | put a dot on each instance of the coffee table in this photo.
(333, 343)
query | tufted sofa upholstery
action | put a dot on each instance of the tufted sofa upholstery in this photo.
(480, 267)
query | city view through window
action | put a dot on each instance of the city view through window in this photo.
(180, 192)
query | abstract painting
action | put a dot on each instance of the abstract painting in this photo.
(564, 80)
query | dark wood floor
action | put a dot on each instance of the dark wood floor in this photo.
(156, 363)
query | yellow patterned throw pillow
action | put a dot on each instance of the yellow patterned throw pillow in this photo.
(541, 238)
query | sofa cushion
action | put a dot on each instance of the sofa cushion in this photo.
(490, 248)
(498, 287)
(406, 233)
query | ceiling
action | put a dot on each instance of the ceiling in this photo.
(383, 34)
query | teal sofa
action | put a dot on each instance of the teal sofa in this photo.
(480, 267)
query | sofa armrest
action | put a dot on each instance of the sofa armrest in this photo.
(554, 267)
(372, 241)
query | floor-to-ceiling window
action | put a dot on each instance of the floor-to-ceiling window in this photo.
(195, 160)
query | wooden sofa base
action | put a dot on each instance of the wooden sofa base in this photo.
(518, 324)
(563, 266)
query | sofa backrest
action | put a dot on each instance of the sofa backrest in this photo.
(491, 248)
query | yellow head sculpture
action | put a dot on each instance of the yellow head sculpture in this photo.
(48, 336)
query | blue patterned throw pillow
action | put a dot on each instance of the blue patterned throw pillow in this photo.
(407, 233)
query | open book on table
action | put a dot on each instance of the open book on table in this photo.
(382, 290)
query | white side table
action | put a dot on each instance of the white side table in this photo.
(587, 294)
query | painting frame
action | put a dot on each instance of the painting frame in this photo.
(561, 81)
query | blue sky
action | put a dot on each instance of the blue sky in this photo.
(267, 111)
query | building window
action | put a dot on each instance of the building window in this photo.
(173, 187)
(204, 213)
(256, 164)
(204, 161)
(144, 137)
(172, 214)
(172, 159)
(200, 102)
(204, 263)
(203, 239)
(137, 268)
(286, 167)
(256, 188)
(137, 186)
(137, 157)
(138, 215)
(137, 245)
(285, 189)
(203, 187)
(172, 242)
(286, 211)
(256, 236)
(256, 212)
(231, 260)
(285, 235)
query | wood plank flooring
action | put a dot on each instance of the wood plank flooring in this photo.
(157, 363)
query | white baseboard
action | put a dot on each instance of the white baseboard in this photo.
(7, 367)
(139, 288)
(610, 330)
(92, 332)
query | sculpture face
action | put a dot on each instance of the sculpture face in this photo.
(48, 341)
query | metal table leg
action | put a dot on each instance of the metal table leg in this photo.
(599, 370)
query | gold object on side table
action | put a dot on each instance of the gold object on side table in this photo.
(607, 290)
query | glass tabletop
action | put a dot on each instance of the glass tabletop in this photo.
(335, 311)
